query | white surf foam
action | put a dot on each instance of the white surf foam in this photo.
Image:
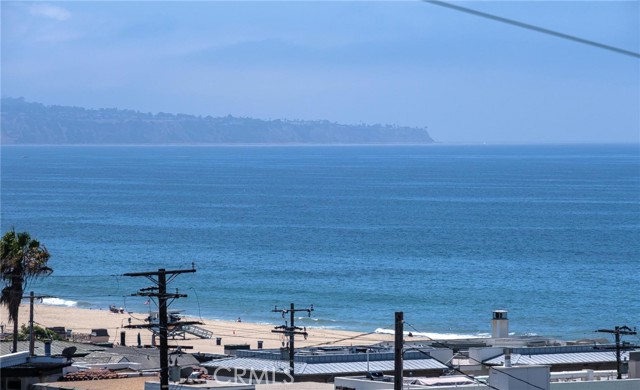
(58, 302)
(433, 336)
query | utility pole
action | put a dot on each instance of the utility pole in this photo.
(32, 297)
(291, 331)
(161, 294)
(398, 346)
(618, 331)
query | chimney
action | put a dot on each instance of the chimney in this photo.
(507, 357)
(499, 324)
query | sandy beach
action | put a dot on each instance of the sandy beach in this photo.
(82, 321)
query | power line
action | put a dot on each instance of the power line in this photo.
(339, 340)
(452, 367)
(475, 360)
(534, 28)
(84, 276)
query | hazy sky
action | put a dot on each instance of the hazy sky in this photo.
(468, 79)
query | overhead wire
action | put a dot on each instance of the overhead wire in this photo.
(197, 302)
(452, 367)
(135, 351)
(534, 28)
(82, 276)
(475, 360)
(357, 336)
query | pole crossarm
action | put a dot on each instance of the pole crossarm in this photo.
(289, 331)
(156, 273)
(158, 295)
(292, 310)
(38, 296)
(623, 330)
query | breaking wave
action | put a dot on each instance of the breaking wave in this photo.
(433, 336)
(59, 302)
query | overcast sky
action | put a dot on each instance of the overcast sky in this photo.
(466, 78)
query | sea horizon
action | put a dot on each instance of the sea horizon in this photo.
(295, 145)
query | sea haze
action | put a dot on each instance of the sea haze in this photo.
(445, 234)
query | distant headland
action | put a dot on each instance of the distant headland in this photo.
(28, 123)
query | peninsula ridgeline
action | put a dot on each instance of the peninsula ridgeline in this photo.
(27, 123)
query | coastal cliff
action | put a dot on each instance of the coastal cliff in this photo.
(34, 123)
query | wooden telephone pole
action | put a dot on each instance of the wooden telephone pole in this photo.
(32, 297)
(163, 297)
(398, 346)
(291, 331)
(618, 331)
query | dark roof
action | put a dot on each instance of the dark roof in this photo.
(57, 346)
(99, 332)
(21, 365)
(33, 369)
(148, 358)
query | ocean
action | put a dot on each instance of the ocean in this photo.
(444, 233)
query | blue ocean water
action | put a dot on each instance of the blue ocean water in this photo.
(445, 234)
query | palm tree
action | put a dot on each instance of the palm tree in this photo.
(23, 259)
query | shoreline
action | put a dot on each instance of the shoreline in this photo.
(81, 321)
(301, 321)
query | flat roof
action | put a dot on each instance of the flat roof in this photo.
(334, 368)
(559, 358)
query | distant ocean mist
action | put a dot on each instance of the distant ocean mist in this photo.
(445, 234)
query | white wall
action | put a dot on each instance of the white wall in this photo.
(442, 354)
(628, 384)
(368, 384)
(520, 377)
(634, 364)
(212, 386)
(365, 384)
(481, 354)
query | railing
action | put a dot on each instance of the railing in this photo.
(198, 331)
